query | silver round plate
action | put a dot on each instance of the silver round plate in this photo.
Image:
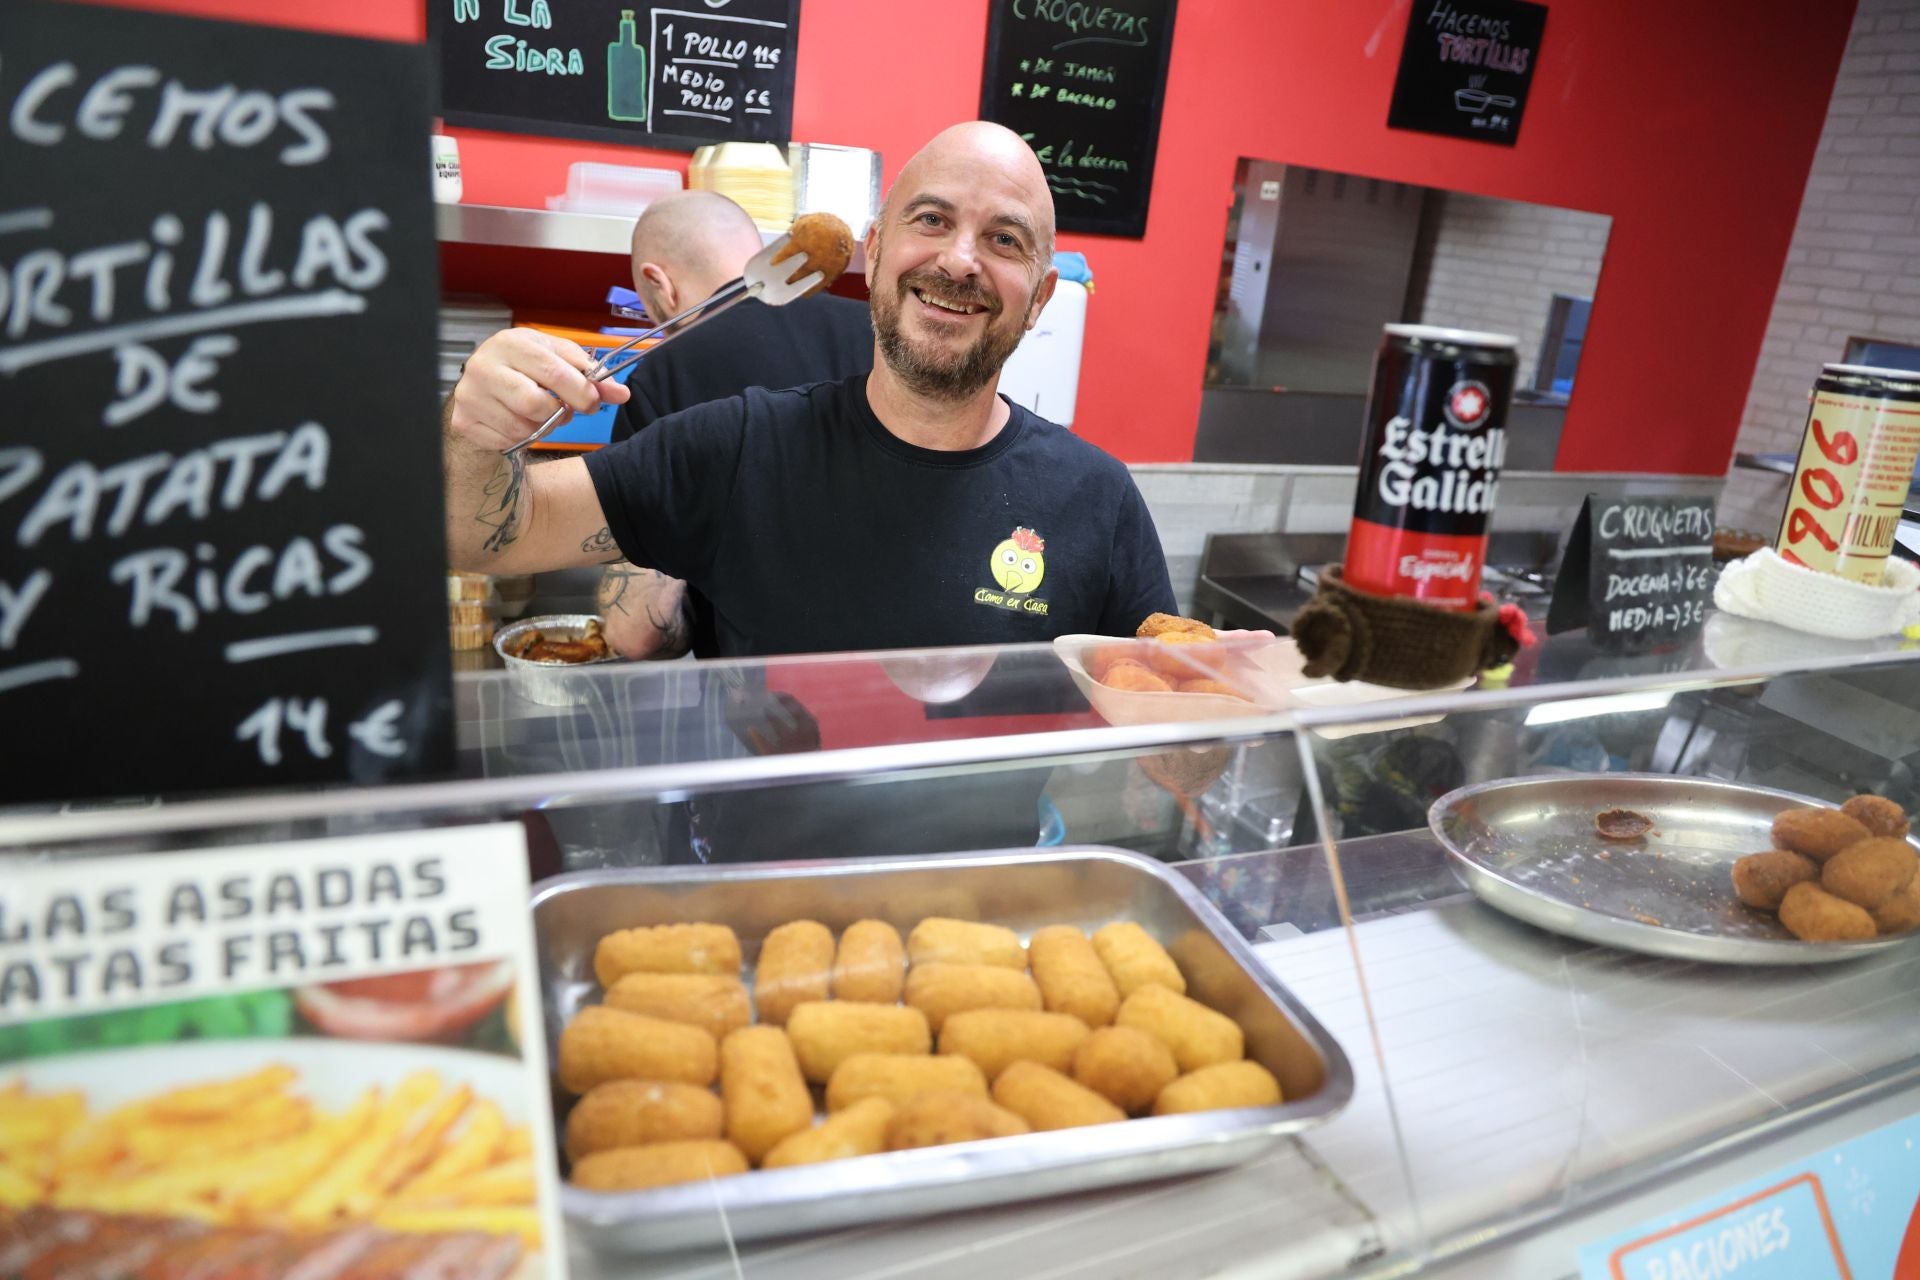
(1527, 846)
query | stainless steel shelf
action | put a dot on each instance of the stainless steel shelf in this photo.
(545, 229)
(532, 228)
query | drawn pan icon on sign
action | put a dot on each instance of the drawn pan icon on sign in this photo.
(1480, 100)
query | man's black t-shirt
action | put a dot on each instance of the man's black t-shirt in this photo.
(812, 528)
(822, 338)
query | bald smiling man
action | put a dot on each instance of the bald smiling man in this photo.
(912, 506)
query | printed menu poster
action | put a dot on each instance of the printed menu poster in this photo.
(319, 1058)
(1850, 1211)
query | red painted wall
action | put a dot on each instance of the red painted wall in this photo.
(1693, 125)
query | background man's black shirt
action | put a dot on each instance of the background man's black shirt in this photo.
(817, 339)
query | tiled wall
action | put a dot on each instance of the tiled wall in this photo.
(1189, 501)
(1854, 268)
(1496, 264)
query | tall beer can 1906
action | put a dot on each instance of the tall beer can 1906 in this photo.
(1856, 464)
(1430, 463)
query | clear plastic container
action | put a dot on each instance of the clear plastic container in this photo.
(613, 188)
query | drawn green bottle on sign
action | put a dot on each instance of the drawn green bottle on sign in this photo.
(626, 74)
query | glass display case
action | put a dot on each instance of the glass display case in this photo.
(1506, 1068)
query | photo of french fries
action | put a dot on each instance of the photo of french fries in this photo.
(424, 1168)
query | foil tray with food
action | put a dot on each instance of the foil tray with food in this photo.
(544, 656)
(1692, 868)
(766, 1050)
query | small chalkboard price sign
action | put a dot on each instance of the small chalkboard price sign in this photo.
(1083, 84)
(224, 563)
(1466, 67)
(1637, 573)
(667, 75)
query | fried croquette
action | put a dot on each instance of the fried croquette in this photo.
(1162, 624)
(658, 1164)
(1046, 1099)
(713, 1001)
(795, 964)
(938, 938)
(1218, 1087)
(860, 1130)
(603, 1044)
(826, 1033)
(1134, 677)
(1198, 1036)
(994, 1039)
(1218, 687)
(1814, 915)
(824, 241)
(1134, 960)
(1879, 815)
(900, 1076)
(765, 1095)
(1182, 655)
(940, 989)
(1762, 879)
(1125, 1065)
(871, 963)
(667, 948)
(1818, 833)
(630, 1113)
(1871, 872)
(1901, 912)
(1102, 659)
(936, 1119)
(1071, 976)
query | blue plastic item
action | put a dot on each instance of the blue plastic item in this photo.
(1053, 824)
(625, 302)
(594, 428)
(1073, 266)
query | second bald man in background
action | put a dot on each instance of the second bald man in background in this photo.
(685, 247)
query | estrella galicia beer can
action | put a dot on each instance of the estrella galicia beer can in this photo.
(1855, 466)
(1430, 463)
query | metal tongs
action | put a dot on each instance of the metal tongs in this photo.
(774, 284)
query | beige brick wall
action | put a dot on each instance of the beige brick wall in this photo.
(1853, 270)
(1494, 265)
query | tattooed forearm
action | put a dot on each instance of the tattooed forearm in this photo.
(647, 613)
(671, 614)
(602, 543)
(616, 584)
(500, 503)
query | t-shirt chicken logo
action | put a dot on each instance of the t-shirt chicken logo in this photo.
(1017, 564)
(1020, 562)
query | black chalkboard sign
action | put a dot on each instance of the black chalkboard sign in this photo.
(220, 474)
(1637, 573)
(1466, 66)
(670, 75)
(1083, 84)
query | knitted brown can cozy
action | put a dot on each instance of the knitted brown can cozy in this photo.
(1395, 641)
